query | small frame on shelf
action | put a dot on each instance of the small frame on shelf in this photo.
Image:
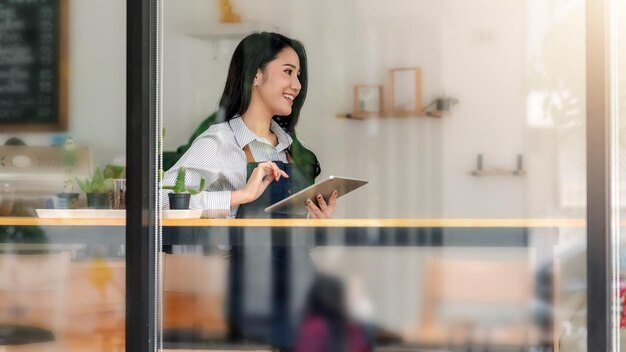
(405, 91)
(368, 101)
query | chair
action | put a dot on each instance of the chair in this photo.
(194, 294)
(32, 299)
(194, 288)
(477, 303)
(96, 305)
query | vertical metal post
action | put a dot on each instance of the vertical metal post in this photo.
(599, 254)
(141, 166)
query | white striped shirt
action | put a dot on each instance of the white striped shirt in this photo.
(217, 155)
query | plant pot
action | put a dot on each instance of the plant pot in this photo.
(67, 200)
(97, 200)
(179, 200)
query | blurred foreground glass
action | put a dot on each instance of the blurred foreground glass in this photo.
(440, 250)
(62, 78)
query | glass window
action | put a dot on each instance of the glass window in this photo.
(466, 119)
(62, 174)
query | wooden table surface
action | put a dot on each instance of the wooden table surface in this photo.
(529, 223)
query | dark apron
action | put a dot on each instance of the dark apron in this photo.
(271, 272)
(276, 191)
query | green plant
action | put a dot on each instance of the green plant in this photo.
(179, 185)
(95, 184)
(113, 171)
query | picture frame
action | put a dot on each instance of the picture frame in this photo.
(368, 101)
(405, 92)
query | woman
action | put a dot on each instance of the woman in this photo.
(265, 90)
(249, 162)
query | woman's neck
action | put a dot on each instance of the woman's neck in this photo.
(258, 121)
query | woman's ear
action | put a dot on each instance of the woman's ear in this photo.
(258, 78)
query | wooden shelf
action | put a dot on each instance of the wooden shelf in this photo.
(498, 172)
(350, 116)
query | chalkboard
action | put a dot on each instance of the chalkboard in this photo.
(33, 65)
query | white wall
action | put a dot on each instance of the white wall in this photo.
(478, 51)
(97, 79)
(483, 65)
(417, 167)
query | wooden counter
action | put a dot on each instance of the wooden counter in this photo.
(359, 232)
(307, 223)
(32, 221)
(97, 315)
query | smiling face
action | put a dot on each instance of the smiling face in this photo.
(278, 85)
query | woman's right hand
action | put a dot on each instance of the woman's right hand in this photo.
(262, 175)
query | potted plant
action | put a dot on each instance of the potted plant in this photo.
(68, 199)
(179, 198)
(96, 190)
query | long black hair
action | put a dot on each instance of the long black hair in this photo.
(254, 52)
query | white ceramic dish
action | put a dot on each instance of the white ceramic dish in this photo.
(81, 213)
(182, 214)
(111, 213)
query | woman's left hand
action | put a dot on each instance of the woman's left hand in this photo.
(325, 210)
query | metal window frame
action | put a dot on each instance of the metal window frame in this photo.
(600, 255)
(141, 126)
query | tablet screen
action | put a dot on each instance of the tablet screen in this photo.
(294, 204)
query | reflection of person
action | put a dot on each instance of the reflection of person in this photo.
(251, 161)
(326, 326)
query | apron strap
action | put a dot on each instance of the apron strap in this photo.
(250, 158)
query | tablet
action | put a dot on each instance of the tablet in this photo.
(294, 204)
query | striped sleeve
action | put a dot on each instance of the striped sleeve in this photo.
(202, 160)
